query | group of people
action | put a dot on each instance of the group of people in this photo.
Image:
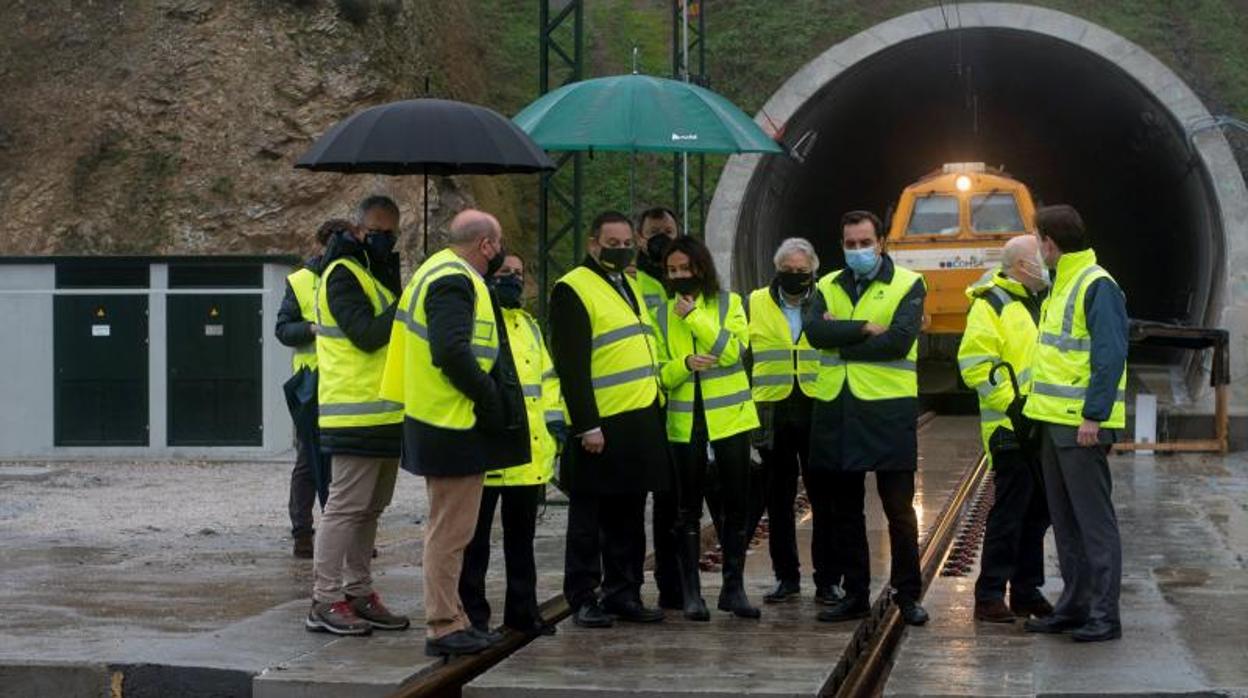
(658, 380)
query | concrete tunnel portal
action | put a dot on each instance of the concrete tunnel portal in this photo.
(1078, 114)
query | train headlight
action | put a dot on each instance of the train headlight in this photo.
(963, 183)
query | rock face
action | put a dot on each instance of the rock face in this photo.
(171, 126)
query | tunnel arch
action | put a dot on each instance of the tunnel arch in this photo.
(1080, 114)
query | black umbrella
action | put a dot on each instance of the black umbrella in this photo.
(426, 136)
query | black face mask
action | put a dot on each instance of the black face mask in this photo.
(685, 285)
(616, 259)
(495, 263)
(509, 289)
(656, 246)
(379, 245)
(795, 283)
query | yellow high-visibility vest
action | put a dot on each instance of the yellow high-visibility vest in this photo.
(303, 283)
(999, 328)
(624, 359)
(1062, 368)
(778, 360)
(868, 380)
(425, 392)
(542, 400)
(653, 292)
(348, 391)
(716, 325)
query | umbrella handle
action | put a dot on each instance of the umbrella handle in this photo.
(1009, 368)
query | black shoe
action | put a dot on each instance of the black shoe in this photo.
(591, 615)
(536, 630)
(848, 608)
(1037, 606)
(635, 612)
(732, 596)
(784, 591)
(829, 595)
(304, 547)
(1097, 631)
(457, 643)
(911, 612)
(1052, 625)
(486, 634)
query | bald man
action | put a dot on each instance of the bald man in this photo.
(1001, 326)
(463, 410)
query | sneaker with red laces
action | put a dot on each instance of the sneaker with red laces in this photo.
(371, 610)
(337, 618)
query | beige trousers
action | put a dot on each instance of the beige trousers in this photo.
(454, 503)
(360, 490)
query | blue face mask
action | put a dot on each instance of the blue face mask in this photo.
(861, 262)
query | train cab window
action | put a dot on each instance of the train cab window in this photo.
(995, 213)
(934, 215)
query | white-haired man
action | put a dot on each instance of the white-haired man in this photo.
(783, 373)
(1001, 328)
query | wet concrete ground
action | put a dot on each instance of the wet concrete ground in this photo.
(136, 572)
(786, 653)
(176, 579)
(1184, 526)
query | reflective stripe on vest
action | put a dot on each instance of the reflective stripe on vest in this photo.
(653, 293)
(1062, 368)
(542, 402)
(778, 361)
(868, 380)
(303, 284)
(348, 390)
(430, 397)
(623, 358)
(1005, 332)
(727, 401)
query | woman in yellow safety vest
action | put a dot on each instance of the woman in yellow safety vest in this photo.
(702, 334)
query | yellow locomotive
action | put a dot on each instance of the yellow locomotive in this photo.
(950, 226)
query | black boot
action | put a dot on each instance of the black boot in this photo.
(688, 553)
(732, 596)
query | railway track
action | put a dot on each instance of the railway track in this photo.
(860, 671)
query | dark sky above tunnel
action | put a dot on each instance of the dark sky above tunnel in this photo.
(1071, 125)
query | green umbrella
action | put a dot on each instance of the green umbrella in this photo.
(637, 113)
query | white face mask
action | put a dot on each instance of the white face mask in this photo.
(1037, 272)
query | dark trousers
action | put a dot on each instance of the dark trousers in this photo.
(732, 472)
(666, 568)
(1014, 537)
(781, 465)
(849, 530)
(520, 504)
(1089, 550)
(302, 491)
(606, 545)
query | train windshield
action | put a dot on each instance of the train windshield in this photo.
(934, 215)
(995, 213)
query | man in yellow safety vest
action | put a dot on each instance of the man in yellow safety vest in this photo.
(866, 320)
(1001, 328)
(1078, 397)
(603, 345)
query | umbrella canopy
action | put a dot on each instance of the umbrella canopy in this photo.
(642, 113)
(426, 136)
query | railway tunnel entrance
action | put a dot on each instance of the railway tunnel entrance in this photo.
(1079, 114)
